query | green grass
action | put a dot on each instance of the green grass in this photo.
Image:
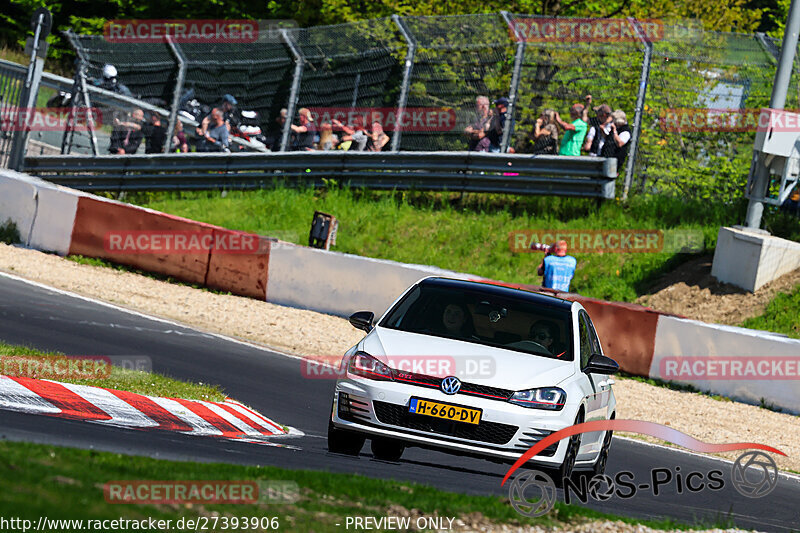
(38, 480)
(782, 315)
(467, 233)
(24, 361)
(9, 234)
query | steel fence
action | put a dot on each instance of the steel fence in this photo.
(445, 62)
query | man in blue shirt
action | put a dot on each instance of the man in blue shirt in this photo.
(558, 269)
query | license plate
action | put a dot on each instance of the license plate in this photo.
(444, 411)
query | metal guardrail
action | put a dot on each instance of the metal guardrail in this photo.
(453, 171)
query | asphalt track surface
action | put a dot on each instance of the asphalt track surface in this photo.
(273, 384)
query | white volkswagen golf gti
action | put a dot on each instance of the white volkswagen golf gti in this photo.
(475, 369)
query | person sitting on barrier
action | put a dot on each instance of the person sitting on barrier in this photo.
(574, 132)
(378, 138)
(618, 141)
(127, 135)
(327, 139)
(303, 133)
(155, 135)
(599, 130)
(213, 133)
(558, 268)
(275, 133)
(179, 143)
(353, 138)
(476, 131)
(228, 108)
(545, 137)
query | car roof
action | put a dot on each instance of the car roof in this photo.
(490, 289)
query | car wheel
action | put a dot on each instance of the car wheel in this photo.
(387, 449)
(343, 441)
(602, 458)
(568, 464)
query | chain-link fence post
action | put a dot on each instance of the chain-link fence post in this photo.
(294, 93)
(80, 94)
(408, 67)
(519, 55)
(176, 95)
(644, 79)
(41, 21)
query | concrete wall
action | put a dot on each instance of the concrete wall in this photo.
(680, 340)
(337, 283)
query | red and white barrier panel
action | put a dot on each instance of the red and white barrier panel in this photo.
(228, 419)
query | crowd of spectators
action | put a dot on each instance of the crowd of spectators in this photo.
(605, 134)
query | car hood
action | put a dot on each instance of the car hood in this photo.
(470, 362)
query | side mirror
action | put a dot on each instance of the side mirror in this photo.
(362, 320)
(600, 364)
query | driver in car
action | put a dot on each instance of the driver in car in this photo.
(545, 332)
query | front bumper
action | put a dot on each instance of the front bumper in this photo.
(505, 432)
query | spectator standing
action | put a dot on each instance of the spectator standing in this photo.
(558, 268)
(618, 141)
(574, 131)
(599, 130)
(545, 137)
(127, 135)
(155, 135)
(498, 122)
(303, 131)
(214, 133)
(476, 131)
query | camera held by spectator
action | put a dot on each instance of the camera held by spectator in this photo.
(541, 247)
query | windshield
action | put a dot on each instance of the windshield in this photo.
(473, 316)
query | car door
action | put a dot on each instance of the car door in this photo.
(603, 382)
(595, 410)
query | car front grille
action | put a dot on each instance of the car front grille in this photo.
(470, 389)
(398, 415)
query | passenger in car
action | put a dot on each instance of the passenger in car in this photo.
(457, 321)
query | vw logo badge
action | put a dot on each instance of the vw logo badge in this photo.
(451, 385)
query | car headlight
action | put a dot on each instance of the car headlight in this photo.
(551, 398)
(364, 365)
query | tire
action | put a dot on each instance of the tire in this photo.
(602, 459)
(387, 449)
(564, 471)
(344, 441)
